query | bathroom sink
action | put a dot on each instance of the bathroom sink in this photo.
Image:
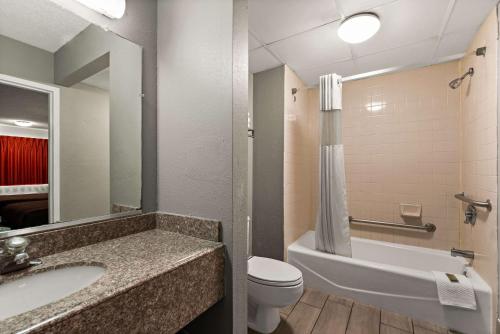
(29, 292)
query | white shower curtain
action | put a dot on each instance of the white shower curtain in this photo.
(332, 226)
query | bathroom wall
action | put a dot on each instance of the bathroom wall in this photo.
(285, 161)
(401, 137)
(268, 163)
(202, 132)
(479, 149)
(85, 153)
(402, 145)
(299, 148)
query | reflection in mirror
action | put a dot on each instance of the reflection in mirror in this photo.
(70, 118)
(24, 154)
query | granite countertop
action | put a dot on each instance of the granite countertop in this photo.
(129, 262)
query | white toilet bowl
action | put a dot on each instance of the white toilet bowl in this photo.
(272, 285)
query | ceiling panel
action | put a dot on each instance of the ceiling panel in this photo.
(301, 33)
(272, 20)
(454, 43)
(313, 48)
(253, 43)
(311, 76)
(405, 22)
(349, 7)
(260, 60)
(50, 26)
(467, 14)
(419, 53)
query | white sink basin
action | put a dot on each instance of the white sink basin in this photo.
(29, 292)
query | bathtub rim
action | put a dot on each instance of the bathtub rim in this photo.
(301, 246)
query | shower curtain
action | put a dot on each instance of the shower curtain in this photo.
(332, 224)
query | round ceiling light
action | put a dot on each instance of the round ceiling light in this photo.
(24, 124)
(359, 27)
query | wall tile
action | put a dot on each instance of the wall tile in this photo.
(479, 150)
(407, 151)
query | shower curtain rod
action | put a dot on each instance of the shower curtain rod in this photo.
(481, 51)
(402, 68)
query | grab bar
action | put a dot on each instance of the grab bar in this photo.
(427, 227)
(472, 202)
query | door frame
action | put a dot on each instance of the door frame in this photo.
(54, 137)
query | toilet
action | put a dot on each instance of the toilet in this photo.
(272, 285)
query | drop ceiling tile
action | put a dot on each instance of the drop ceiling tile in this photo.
(349, 7)
(404, 22)
(454, 43)
(416, 54)
(311, 76)
(253, 43)
(272, 20)
(311, 49)
(468, 15)
(260, 60)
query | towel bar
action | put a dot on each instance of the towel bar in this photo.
(427, 227)
(472, 202)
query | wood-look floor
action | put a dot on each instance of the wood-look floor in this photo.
(319, 313)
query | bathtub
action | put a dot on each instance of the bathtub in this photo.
(394, 277)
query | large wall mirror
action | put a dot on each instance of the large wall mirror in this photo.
(70, 118)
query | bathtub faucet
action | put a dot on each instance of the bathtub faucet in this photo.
(468, 254)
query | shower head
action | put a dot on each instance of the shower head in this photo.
(454, 84)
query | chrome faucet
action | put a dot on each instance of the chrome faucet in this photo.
(13, 255)
(468, 254)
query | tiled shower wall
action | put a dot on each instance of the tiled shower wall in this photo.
(479, 149)
(299, 144)
(401, 134)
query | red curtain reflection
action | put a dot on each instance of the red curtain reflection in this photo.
(23, 161)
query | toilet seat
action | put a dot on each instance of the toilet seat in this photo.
(272, 272)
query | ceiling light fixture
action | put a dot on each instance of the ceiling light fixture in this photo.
(114, 9)
(359, 27)
(24, 124)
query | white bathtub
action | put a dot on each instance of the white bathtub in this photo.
(394, 277)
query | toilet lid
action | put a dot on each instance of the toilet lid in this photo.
(272, 272)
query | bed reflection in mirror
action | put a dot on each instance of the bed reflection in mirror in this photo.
(70, 119)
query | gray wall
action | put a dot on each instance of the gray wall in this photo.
(139, 26)
(202, 142)
(268, 163)
(87, 54)
(84, 152)
(25, 61)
